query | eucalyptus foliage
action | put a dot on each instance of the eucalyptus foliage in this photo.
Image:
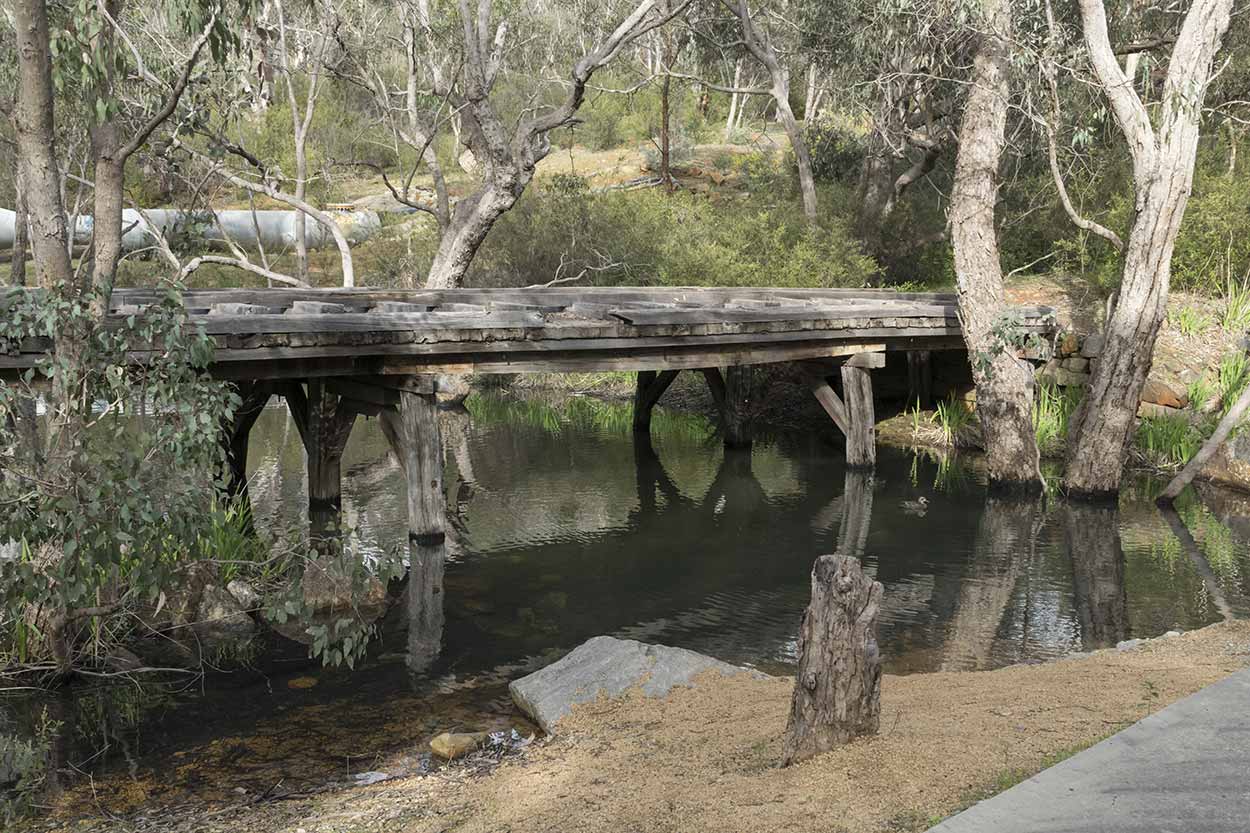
(106, 497)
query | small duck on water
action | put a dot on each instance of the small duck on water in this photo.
(917, 506)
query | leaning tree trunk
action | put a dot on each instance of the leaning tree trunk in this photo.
(837, 689)
(875, 197)
(471, 222)
(1004, 383)
(802, 157)
(757, 42)
(1217, 439)
(1163, 169)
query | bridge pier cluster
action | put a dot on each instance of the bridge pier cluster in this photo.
(853, 412)
(324, 411)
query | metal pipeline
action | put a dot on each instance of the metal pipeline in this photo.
(273, 229)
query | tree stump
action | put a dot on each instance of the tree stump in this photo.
(837, 690)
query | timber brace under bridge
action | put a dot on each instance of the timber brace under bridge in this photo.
(335, 354)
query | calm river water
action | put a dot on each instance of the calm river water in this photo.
(564, 529)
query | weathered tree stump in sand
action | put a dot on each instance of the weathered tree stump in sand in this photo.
(837, 690)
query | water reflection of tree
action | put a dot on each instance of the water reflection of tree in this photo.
(1092, 535)
(1003, 548)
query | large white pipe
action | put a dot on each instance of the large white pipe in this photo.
(273, 228)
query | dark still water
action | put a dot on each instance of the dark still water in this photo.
(563, 528)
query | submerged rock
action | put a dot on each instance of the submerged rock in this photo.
(220, 619)
(608, 666)
(452, 745)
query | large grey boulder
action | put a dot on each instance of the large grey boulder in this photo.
(609, 666)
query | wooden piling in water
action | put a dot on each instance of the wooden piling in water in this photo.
(730, 392)
(234, 435)
(413, 432)
(920, 378)
(648, 389)
(325, 422)
(853, 412)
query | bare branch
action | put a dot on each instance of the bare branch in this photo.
(239, 263)
(1129, 111)
(175, 93)
(345, 252)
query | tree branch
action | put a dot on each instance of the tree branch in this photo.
(175, 94)
(340, 240)
(1129, 111)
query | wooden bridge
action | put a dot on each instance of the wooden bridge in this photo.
(336, 354)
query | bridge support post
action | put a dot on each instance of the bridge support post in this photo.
(855, 416)
(325, 422)
(730, 393)
(413, 432)
(648, 389)
(920, 378)
(234, 434)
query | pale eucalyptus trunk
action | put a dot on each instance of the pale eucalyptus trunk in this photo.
(509, 160)
(1004, 383)
(1163, 167)
(731, 119)
(758, 44)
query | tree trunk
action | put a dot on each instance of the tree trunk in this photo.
(761, 48)
(1191, 470)
(809, 100)
(666, 157)
(36, 146)
(837, 688)
(106, 227)
(875, 197)
(471, 222)
(301, 227)
(802, 157)
(17, 263)
(1004, 383)
(1163, 168)
(731, 119)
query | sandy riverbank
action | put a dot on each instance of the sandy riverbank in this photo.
(705, 759)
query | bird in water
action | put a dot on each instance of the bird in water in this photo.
(917, 506)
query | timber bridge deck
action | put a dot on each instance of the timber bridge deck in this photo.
(336, 354)
(300, 334)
